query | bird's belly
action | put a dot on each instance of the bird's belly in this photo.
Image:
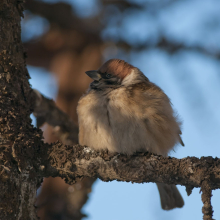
(122, 137)
(105, 126)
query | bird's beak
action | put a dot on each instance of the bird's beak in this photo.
(94, 74)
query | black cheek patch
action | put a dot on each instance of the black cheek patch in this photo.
(112, 81)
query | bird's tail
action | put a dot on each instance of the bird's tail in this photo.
(170, 196)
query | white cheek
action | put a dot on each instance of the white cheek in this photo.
(132, 78)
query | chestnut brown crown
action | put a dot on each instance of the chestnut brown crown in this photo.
(116, 67)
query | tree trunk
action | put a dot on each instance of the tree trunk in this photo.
(18, 179)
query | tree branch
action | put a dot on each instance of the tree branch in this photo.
(170, 47)
(73, 163)
(45, 110)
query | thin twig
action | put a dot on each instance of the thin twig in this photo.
(206, 199)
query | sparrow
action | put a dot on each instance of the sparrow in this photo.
(124, 112)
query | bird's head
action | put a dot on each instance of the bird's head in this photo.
(114, 72)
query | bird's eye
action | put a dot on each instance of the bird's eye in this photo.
(108, 75)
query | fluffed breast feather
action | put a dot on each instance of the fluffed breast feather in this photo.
(138, 117)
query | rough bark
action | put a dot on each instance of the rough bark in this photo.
(19, 140)
(75, 162)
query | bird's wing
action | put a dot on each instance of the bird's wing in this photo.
(157, 106)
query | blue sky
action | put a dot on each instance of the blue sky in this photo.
(190, 79)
